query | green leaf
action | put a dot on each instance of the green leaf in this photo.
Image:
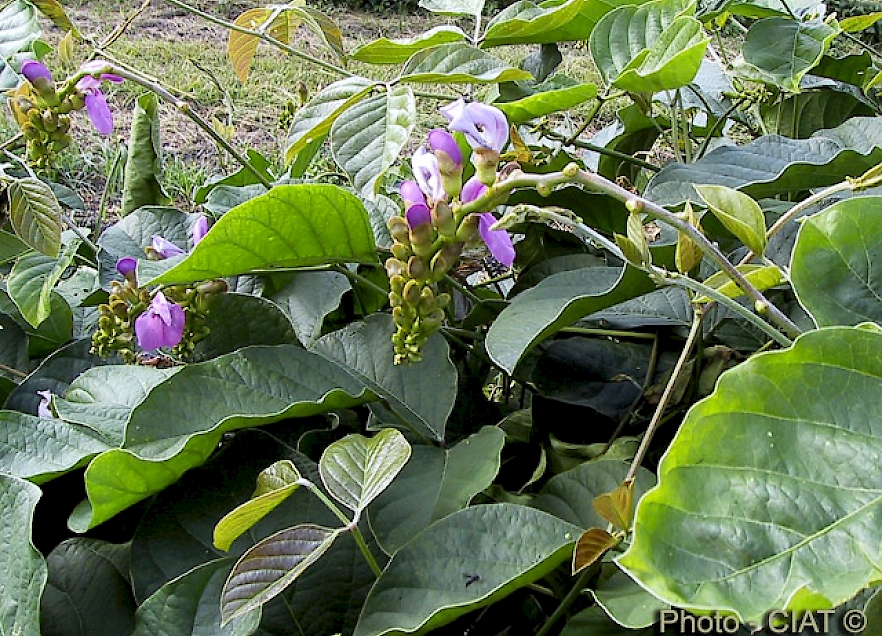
(762, 277)
(141, 179)
(595, 622)
(88, 592)
(321, 25)
(454, 7)
(32, 280)
(737, 468)
(458, 63)
(774, 165)
(436, 482)
(39, 449)
(549, 97)
(649, 48)
(740, 214)
(568, 495)
(53, 10)
(527, 23)
(425, 584)
(421, 394)
(19, 29)
(780, 51)
(269, 567)
(274, 485)
(34, 211)
(251, 387)
(314, 120)
(356, 469)
(626, 602)
(308, 298)
(556, 302)
(11, 247)
(800, 116)
(858, 23)
(289, 226)
(51, 333)
(23, 567)
(835, 266)
(101, 399)
(188, 606)
(367, 138)
(13, 347)
(241, 177)
(386, 51)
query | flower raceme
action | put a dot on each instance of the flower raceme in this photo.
(161, 325)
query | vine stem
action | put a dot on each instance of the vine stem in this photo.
(567, 601)
(694, 334)
(358, 278)
(337, 70)
(12, 371)
(184, 107)
(601, 150)
(350, 525)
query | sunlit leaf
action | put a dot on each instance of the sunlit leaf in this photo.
(35, 215)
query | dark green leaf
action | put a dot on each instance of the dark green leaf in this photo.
(33, 209)
(626, 602)
(308, 298)
(141, 181)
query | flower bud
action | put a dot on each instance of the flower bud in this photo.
(442, 218)
(394, 267)
(485, 161)
(416, 268)
(399, 229)
(468, 229)
(396, 283)
(449, 158)
(411, 294)
(401, 251)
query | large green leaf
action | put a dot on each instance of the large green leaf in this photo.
(188, 606)
(357, 469)
(435, 482)
(19, 28)
(88, 591)
(626, 602)
(367, 138)
(289, 226)
(835, 268)
(427, 582)
(740, 214)
(251, 387)
(32, 280)
(653, 47)
(556, 302)
(556, 94)
(459, 63)
(780, 51)
(386, 51)
(421, 394)
(34, 211)
(740, 521)
(39, 449)
(141, 184)
(774, 165)
(314, 120)
(23, 567)
(265, 570)
(527, 23)
(454, 7)
(307, 298)
(800, 116)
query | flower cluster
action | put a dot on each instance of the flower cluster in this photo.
(42, 109)
(437, 222)
(172, 319)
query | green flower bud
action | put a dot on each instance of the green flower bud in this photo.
(395, 299)
(394, 267)
(442, 300)
(485, 160)
(442, 218)
(401, 251)
(416, 268)
(411, 294)
(49, 121)
(399, 229)
(397, 283)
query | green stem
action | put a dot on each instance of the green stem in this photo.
(263, 36)
(357, 278)
(601, 150)
(351, 525)
(11, 371)
(609, 333)
(184, 107)
(862, 44)
(567, 601)
(647, 382)
(462, 289)
(79, 234)
(716, 127)
(694, 334)
(805, 204)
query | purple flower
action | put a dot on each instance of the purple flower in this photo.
(165, 248)
(162, 325)
(498, 241)
(127, 266)
(485, 127)
(427, 174)
(417, 215)
(32, 70)
(472, 189)
(43, 409)
(96, 104)
(411, 193)
(200, 229)
(441, 141)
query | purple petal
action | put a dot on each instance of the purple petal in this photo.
(110, 77)
(472, 189)
(427, 174)
(498, 241)
(95, 66)
(32, 69)
(162, 325)
(418, 214)
(484, 126)
(126, 266)
(43, 409)
(88, 84)
(99, 112)
(200, 229)
(442, 140)
(453, 110)
(411, 193)
(165, 248)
